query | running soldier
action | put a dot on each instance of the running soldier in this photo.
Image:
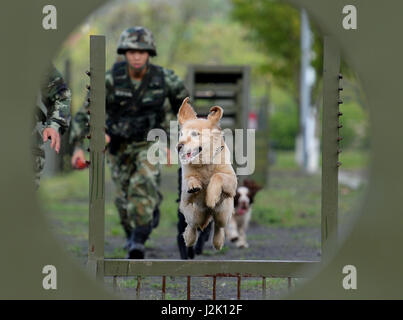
(137, 93)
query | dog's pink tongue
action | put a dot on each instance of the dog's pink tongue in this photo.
(241, 211)
(188, 154)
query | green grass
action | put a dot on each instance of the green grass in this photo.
(131, 283)
(271, 283)
(127, 283)
(293, 199)
(285, 160)
(118, 253)
(289, 201)
(169, 209)
(207, 252)
(76, 250)
(296, 202)
(354, 160)
(71, 186)
(64, 199)
(351, 159)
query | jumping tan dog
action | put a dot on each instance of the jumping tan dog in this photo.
(208, 180)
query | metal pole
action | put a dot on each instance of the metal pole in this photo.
(97, 155)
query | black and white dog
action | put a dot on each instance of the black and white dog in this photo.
(236, 229)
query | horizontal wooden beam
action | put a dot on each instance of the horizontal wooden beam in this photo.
(227, 268)
(216, 88)
(202, 68)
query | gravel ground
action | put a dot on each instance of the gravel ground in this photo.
(266, 243)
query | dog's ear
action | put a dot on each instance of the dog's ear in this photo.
(236, 198)
(252, 185)
(186, 112)
(215, 114)
(253, 188)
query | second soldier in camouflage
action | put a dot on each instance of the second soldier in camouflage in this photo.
(52, 117)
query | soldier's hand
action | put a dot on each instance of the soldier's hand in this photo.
(107, 138)
(78, 157)
(54, 136)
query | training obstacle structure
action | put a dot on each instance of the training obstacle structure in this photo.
(101, 267)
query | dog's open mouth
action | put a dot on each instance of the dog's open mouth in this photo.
(190, 155)
(241, 210)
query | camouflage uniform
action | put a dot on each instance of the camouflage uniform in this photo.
(53, 104)
(132, 109)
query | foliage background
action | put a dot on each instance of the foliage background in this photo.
(261, 33)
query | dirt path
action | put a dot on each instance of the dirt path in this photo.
(266, 243)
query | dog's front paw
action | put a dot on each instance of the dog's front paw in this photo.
(194, 190)
(242, 244)
(212, 199)
(234, 239)
(194, 186)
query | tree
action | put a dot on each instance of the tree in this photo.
(275, 28)
(185, 33)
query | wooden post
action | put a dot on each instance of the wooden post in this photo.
(330, 134)
(97, 155)
(66, 149)
(262, 144)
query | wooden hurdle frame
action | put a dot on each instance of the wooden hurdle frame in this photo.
(101, 267)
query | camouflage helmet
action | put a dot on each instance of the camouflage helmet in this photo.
(139, 38)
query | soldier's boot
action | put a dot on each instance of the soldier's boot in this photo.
(156, 217)
(184, 252)
(128, 231)
(182, 247)
(125, 223)
(191, 253)
(203, 238)
(138, 237)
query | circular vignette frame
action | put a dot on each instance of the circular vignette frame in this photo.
(373, 244)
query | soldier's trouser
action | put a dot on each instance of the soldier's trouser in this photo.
(39, 164)
(137, 183)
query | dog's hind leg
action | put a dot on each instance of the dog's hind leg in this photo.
(223, 212)
(190, 235)
(205, 223)
(219, 182)
(242, 231)
(241, 243)
(214, 189)
(221, 217)
(219, 237)
(232, 230)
